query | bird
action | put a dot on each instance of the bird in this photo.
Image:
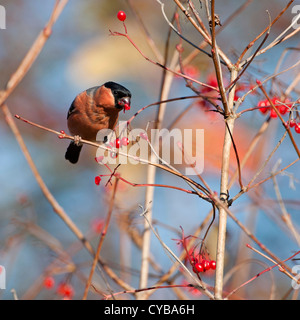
(94, 109)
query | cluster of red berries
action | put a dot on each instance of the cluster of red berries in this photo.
(294, 124)
(63, 289)
(200, 262)
(282, 106)
(203, 265)
(120, 142)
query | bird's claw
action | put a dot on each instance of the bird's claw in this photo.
(77, 140)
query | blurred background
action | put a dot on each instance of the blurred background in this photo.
(80, 54)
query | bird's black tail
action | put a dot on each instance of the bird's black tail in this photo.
(73, 152)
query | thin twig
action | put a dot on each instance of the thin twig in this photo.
(33, 52)
(63, 135)
(216, 61)
(102, 237)
(225, 59)
(114, 33)
(250, 61)
(144, 29)
(239, 62)
(285, 216)
(265, 270)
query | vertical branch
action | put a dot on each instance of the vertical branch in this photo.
(222, 211)
(216, 60)
(151, 172)
(223, 195)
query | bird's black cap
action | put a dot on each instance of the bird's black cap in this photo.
(117, 90)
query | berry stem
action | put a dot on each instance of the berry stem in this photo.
(144, 184)
(152, 288)
(115, 33)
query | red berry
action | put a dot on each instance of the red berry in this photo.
(117, 143)
(124, 141)
(292, 123)
(211, 81)
(114, 155)
(49, 282)
(191, 71)
(65, 290)
(97, 180)
(273, 113)
(126, 106)
(206, 265)
(263, 106)
(198, 267)
(97, 225)
(121, 15)
(193, 260)
(297, 127)
(275, 101)
(236, 97)
(213, 264)
(283, 109)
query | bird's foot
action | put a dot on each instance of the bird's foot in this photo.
(77, 140)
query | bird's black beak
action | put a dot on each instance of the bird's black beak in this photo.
(123, 102)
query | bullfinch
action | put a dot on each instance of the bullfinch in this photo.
(92, 110)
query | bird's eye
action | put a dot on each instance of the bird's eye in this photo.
(115, 92)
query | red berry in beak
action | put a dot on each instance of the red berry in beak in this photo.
(125, 103)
